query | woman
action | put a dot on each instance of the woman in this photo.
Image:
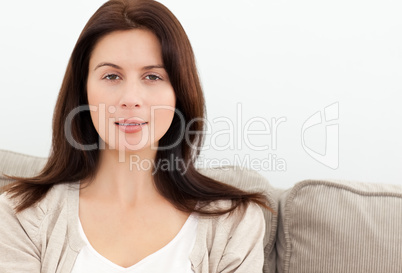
(130, 95)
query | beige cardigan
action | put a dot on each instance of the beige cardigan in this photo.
(45, 237)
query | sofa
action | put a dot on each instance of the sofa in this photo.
(320, 226)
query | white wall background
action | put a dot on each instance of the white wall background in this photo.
(273, 59)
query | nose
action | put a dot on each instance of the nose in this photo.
(132, 96)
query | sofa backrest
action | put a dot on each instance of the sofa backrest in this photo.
(17, 164)
(340, 226)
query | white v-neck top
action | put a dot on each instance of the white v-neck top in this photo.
(172, 258)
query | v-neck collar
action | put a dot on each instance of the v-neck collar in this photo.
(76, 242)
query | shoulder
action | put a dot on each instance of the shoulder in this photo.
(26, 235)
(31, 218)
(54, 199)
(231, 241)
(246, 214)
(245, 219)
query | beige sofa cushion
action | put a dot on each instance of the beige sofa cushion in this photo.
(340, 227)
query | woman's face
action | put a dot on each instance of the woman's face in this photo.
(131, 98)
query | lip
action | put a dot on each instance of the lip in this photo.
(130, 125)
(130, 121)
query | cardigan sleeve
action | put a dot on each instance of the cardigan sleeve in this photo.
(18, 250)
(244, 251)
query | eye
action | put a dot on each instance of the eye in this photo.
(153, 77)
(111, 77)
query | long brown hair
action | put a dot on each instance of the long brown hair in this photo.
(67, 164)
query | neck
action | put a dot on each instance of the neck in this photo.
(126, 180)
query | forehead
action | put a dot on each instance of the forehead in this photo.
(133, 47)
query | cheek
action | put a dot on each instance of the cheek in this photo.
(163, 117)
(95, 94)
(162, 113)
(98, 108)
(93, 106)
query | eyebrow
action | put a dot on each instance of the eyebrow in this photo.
(153, 66)
(107, 64)
(118, 67)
